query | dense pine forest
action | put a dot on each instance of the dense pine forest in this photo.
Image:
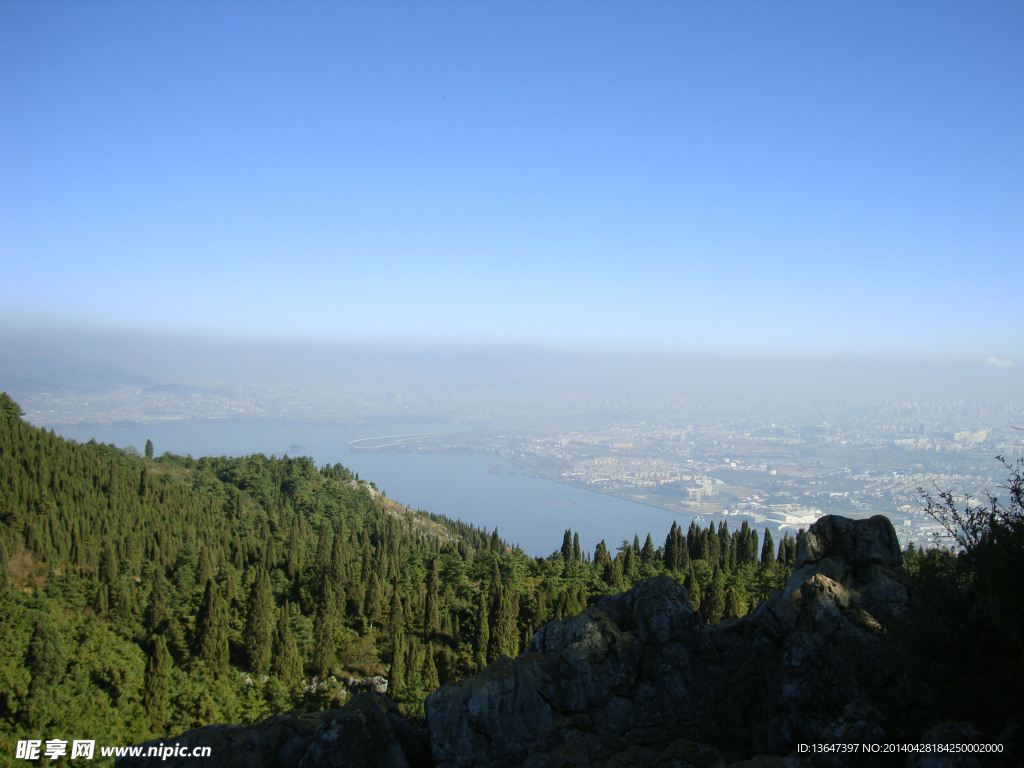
(144, 595)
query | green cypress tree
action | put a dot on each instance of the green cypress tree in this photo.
(693, 588)
(397, 674)
(322, 558)
(336, 569)
(787, 550)
(108, 566)
(286, 663)
(612, 575)
(714, 606)
(431, 618)
(259, 623)
(693, 540)
(293, 558)
(157, 614)
(482, 636)
(768, 552)
(102, 599)
(733, 604)
(494, 588)
(682, 552)
(504, 631)
(46, 659)
(647, 554)
(373, 608)
(751, 555)
(324, 648)
(601, 556)
(566, 550)
(396, 618)
(727, 558)
(430, 678)
(204, 571)
(629, 565)
(670, 548)
(157, 683)
(212, 629)
(714, 548)
(743, 545)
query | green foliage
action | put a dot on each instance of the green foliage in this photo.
(212, 630)
(8, 408)
(768, 559)
(713, 606)
(142, 597)
(967, 631)
(286, 664)
(158, 680)
(259, 626)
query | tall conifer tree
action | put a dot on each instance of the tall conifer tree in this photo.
(259, 623)
(397, 673)
(714, 606)
(286, 663)
(157, 683)
(212, 629)
(504, 631)
(482, 638)
(768, 551)
(324, 650)
(432, 615)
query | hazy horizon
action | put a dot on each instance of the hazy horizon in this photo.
(102, 361)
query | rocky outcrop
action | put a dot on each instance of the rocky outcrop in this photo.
(368, 731)
(863, 556)
(639, 680)
(375, 683)
(636, 669)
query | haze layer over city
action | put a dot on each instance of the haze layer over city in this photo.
(733, 262)
(776, 442)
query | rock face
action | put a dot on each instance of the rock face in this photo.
(639, 680)
(638, 668)
(861, 555)
(368, 731)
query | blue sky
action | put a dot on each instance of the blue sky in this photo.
(747, 177)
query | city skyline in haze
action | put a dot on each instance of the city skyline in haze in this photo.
(785, 179)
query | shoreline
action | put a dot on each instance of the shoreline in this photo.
(585, 487)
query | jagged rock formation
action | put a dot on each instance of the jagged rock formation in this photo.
(639, 676)
(639, 680)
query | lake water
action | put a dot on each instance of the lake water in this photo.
(530, 511)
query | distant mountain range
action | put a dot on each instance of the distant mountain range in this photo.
(26, 371)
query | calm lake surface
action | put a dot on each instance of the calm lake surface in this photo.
(530, 511)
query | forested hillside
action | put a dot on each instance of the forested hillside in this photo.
(143, 596)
